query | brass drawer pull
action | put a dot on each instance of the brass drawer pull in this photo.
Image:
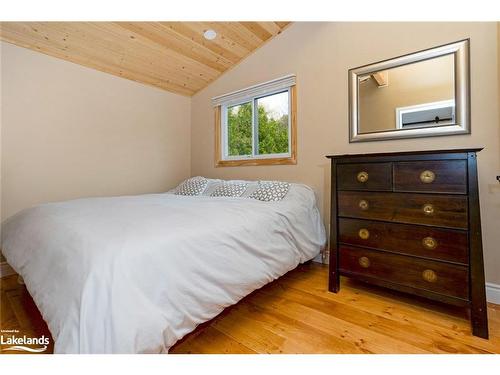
(364, 262)
(362, 177)
(429, 243)
(364, 234)
(427, 177)
(429, 276)
(363, 204)
(428, 209)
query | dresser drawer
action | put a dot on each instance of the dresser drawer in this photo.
(423, 241)
(429, 209)
(365, 176)
(437, 277)
(448, 176)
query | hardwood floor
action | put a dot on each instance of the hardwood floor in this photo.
(18, 312)
(296, 314)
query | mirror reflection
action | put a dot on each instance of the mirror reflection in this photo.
(416, 95)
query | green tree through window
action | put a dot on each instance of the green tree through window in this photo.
(239, 129)
(272, 127)
(273, 133)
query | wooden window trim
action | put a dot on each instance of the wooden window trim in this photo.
(291, 160)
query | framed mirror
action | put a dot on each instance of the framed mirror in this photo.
(422, 94)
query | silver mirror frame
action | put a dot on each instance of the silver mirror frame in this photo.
(462, 94)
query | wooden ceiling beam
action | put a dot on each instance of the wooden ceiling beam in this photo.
(382, 78)
(257, 29)
(271, 27)
(282, 24)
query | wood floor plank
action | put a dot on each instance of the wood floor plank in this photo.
(7, 316)
(383, 302)
(212, 341)
(15, 300)
(297, 314)
(8, 282)
(255, 337)
(426, 340)
(365, 339)
(297, 337)
(434, 322)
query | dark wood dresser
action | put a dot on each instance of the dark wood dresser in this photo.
(410, 221)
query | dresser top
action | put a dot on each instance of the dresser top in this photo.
(406, 153)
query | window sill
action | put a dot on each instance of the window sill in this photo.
(255, 162)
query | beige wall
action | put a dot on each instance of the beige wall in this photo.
(70, 132)
(320, 54)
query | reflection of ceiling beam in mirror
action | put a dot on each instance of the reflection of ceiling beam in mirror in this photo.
(382, 78)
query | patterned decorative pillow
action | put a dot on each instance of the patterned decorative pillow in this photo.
(229, 189)
(211, 186)
(270, 191)
(192, 186)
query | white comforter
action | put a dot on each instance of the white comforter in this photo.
(137, 273)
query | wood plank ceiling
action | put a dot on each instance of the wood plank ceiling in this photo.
(173, 56)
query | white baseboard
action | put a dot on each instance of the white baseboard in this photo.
(493, 293)
(6, 270)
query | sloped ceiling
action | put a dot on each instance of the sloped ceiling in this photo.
(173, 56)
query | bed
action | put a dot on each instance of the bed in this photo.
(134, 274)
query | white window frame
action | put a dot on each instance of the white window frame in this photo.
(255, 127)
(400, 111)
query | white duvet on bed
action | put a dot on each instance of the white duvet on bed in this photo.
(137, 273)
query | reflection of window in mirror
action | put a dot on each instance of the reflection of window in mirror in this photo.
(420, 94)
(425, 115)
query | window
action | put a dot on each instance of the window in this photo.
(425, 115)
(256, 126)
